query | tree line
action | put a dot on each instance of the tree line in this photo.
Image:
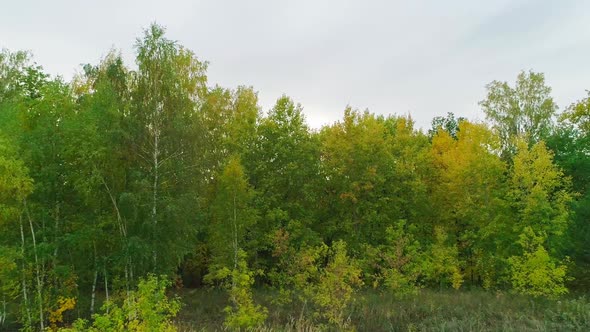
(128, 172)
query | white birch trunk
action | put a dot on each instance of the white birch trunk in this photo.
(235, 234)
(156, 155)
(3, 313)
(93, 296)
(38, 273)
(23, 275)
(92, 299)
(106, 286)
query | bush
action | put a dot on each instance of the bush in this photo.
(147, 309)
(244, 313)
(336, 285)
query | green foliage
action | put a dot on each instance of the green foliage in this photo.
(320, 277)
(402, 257)
(442, 264)
(243, 313)
(232, 216)
(570, 143)
(525, 110)
(123, 172)
(535, 272)
(540, 193)
(397, 264)
(450, 124)
(336, 285)
(283, 166)
(146, 309)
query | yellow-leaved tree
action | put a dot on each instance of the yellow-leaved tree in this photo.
(540, 195)
(468, 194)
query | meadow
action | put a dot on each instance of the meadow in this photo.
(429, 310)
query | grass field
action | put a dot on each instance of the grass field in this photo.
(473, 310)
(467, 310)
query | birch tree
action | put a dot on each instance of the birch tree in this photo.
(15, 186)
(166, 91)
(525, 109)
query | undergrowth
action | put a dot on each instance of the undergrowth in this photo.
(428, 310)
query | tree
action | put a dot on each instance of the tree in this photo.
(450, 124)
(33, 119)
(336, 285)
(324, 276)
(443, 266)
(243, 313)
(540, 196)
(578, 115)
(232, 217)
(535, 272)
(15, 187)
(398, 262)
(570, 143)
(523, 110)
(468, 191)
(283, 167)
(97, 168)
(169, 82)
(13, 66)
(357, 164)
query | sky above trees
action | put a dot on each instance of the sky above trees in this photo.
(422, 57)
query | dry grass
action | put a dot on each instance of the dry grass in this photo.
(474, 310)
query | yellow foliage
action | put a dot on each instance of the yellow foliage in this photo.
(535, 272)
(56, 316)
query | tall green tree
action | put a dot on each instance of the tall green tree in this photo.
(15, 286)
(570, 143)
(97, 169)
(232, 216)
(283, 166)
(165, 90)
(525, 109)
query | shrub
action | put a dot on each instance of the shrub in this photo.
(336, 285)
(244, 313)
(144, 310)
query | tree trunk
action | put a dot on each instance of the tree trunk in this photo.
(55, 250)
(235, 235)
(123, 232)
(93, 297)
(23, 275)
(155, 187)
(38, 273)
(106, 286)
(3, 313)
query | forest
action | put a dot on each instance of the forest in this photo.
(142, 197)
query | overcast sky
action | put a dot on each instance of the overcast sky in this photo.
(425, 58)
